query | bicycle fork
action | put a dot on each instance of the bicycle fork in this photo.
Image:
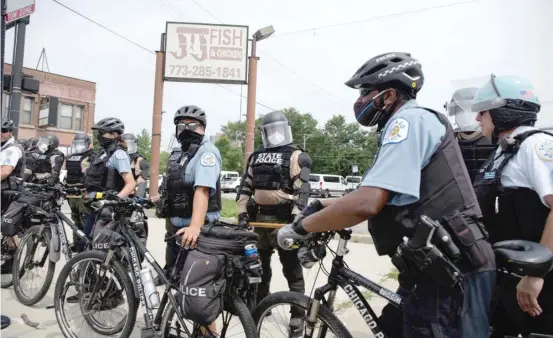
(314, 307)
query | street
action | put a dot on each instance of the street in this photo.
(362, 258)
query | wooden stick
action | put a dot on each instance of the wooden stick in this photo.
(265, 224)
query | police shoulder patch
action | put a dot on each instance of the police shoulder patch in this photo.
(544, 150)
(121, 155)
(397, 131)
(208, 159)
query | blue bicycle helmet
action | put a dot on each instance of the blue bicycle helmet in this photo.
(510, 100)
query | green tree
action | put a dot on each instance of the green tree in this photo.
(232, 156)
(144, 144)
(163, 157)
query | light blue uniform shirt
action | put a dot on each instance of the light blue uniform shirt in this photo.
(408, 141)
(119, 161)
(204, 170)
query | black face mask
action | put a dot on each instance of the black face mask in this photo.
(106, 142)
(188, 137)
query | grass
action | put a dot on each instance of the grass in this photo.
(230, 208)
(392, 275)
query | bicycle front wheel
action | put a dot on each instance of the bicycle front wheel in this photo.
(275, 317)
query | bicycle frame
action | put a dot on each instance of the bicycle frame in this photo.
(62, 234)
(348, 280)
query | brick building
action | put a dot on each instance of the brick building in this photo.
(64, 106)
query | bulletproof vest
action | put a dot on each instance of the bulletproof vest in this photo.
(30, 159)
(43, 163)
(180, 194)
(271, 168)
(509, 212)
(135, 165)
(475, 153)
(99, 177)
(18, 171)
(445, 190)
(73, 165)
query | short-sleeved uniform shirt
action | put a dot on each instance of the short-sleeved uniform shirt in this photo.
(532, 166)
(203, 170)
(408, 141)
(9, 156)
(119, 161)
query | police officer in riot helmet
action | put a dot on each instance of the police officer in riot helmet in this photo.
(192, 176)
(139, 165)
(475, 147)
(417, 169)
(515, 192)
(49, 162)
(32, 144)
(275, 188)
(31, 155)
(76, 165)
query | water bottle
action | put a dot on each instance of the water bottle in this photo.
(250, 250)
(150, 292)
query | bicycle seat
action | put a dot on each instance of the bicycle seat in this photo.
(523, 257)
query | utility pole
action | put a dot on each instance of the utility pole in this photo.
(305, 137)
(4, 9)
(156, 118)
(17, 73)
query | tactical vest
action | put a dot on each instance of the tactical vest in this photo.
(73, 165)
(271, 168)
(18, 171)
(99, 177)
(180, 194)
(509, 212)
(30, 159)
(475, 153)
(43, 164)
(135, 165)
(445, 192)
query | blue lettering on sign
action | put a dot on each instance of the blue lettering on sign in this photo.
(489, 175)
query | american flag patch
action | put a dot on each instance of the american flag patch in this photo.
(526, 94)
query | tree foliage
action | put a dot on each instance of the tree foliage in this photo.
(144, 141)
(334, 148)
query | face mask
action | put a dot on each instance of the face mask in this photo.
(105, 142)
(275, 138)
(369, 113)
(188, 137)
(43, 148)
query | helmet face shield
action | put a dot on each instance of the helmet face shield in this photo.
(276, 134)
(460, 107)
(43, 144)
(132, 146)
(78, 146)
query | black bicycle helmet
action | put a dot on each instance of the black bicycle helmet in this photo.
(8, 125)
(109, 125)
(390, 70)
(191, 112)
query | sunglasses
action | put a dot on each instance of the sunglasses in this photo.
(5, 130)
(366, 91)
(192, 126)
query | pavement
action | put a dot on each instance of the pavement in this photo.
(362, 258)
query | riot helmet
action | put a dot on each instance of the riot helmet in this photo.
(510, 100)
(23, 142)
(132, 142)
(47, 143)
(81, 143)
(276, 130)
(32, 143)
(459, 107)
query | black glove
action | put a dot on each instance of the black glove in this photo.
(243, 220)
(313, 207)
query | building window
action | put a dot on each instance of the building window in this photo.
(71, 117)
(27, 113)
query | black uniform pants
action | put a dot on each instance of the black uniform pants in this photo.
(510, 320)
(291, 266)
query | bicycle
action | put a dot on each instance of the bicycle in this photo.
(47, 231)
(320, 308)
(7, 249)
(118, 242)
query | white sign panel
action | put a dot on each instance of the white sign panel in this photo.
(18, 9)
(206, 53)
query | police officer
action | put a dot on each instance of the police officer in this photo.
(49, 162)
(418, 168)
(12, 166)
(31, 154)
(139, 166)
(192, 181)
(475, 147)
(76, 165)
(277, 179)
(515, 192)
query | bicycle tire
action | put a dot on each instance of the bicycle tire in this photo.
(124, 278)
(242, 311)
(297, 299)
(7, 284)
(47, 234)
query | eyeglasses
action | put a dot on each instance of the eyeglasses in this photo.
(192, 126)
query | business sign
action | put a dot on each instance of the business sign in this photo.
(206, 53)
(18, 9)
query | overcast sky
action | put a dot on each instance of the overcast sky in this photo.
(299, 66)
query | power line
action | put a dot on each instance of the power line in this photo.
(142, 47)
(271, 57)
(370, 19)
